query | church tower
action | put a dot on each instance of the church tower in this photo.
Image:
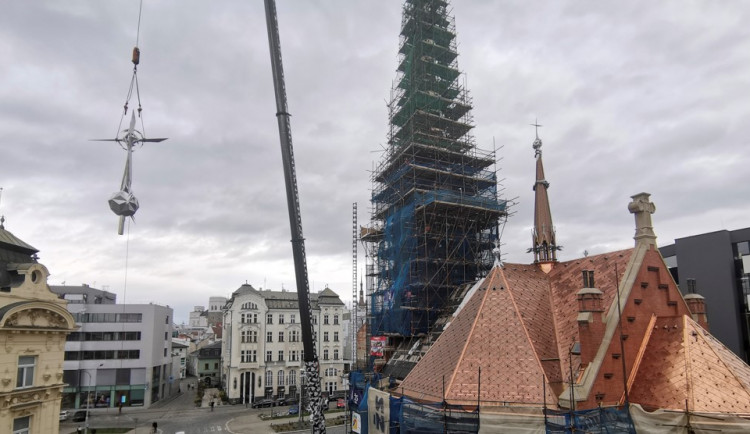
(544, 244)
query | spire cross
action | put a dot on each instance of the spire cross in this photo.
(536, 127)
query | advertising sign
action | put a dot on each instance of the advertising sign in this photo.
(356, 423)
(377, 345)
(379, 409)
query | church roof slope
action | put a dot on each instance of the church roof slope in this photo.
(684, 363)
(488, 333)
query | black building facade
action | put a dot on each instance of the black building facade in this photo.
(716, 265)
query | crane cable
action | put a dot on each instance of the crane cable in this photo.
(134, 80)
(136, 59)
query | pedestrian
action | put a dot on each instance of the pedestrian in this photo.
(154, 427)
(212, 405)
(119, 407)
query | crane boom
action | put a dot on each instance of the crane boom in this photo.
(312, 371)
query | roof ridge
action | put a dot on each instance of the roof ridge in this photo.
(526, 330)
(471, 332)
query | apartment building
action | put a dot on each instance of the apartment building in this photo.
(33, 327)
(262, 349)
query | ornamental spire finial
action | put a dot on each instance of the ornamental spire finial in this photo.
(537, 142)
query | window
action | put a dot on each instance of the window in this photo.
(325, 319)
(281, 318)
(335, 336)
(248, 356)
(280, 378)
(335, 320)
(281, 336)
(588, 278)
(166, 335)
(325, 354)
(293, 356)
(292, 319)
(269, 378)
(269, 336)
(206, 366)
(249, 337)
(21, 425)
(314, 320)
(335, 354)
(281, 355)
(166, 321)
(269, 318)
(25, 371)
(292, 378)
(165, 352)
(268, 356)
(293, 336)
(325, 336)
(216, 365)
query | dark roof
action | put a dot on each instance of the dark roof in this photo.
(13, 249)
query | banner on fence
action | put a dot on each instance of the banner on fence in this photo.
(378, 407)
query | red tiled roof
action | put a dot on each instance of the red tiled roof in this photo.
(488, 333)
(566, 280)
(683, 364)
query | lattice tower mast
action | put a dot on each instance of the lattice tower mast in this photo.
(355, 306)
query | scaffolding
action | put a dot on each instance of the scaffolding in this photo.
(435, 206)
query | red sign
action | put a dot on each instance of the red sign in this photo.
(377, 345)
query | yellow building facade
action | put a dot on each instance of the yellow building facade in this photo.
(34, 324)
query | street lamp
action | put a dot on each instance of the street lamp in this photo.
(88, 400)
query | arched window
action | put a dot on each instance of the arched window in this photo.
(269, 378)
(292, 378)
(280, 379)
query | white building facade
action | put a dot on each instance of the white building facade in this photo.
(121, 355)
(262, 349)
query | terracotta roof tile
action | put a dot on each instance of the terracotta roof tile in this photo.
(566, 280)
(488, 333)
(683, 362)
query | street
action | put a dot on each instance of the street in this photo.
(179, 413)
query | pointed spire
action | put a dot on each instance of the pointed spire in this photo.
(544, 243)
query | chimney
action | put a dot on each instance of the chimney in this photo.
(590, 318)
(696, 304)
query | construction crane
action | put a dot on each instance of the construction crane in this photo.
(312, 369)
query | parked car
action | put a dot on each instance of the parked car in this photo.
(280, 401)
(79, 416)
(294, 409)
(64, 415)
(341, 403)
(266, 402)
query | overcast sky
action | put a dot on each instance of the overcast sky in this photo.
(634, 96)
